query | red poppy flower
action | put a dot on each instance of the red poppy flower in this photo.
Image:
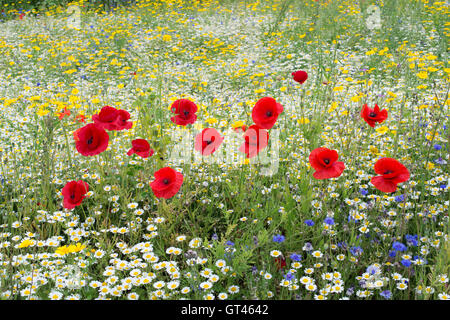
(265, 112)
(81, 118)
(372, 116)
(66, 112)
(122, 120)
(91, 140)
(392, 173)
(208, 141)
(74, 192)
(167, 183)
(184, 111)
(113, 119)
(256, 139)
(324, 161)
(141, 147)
(300, 76)
(106, 118)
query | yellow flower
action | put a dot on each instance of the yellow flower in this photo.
(393, 95)
(237, 124)
(167, 37)
(73, 248)
(303, 121)
(355, 98)
(333, 107)
(26, 243)
(34, 98)
(382, 52)
(382, 130)
(62, 250)
(70, 71)
(373, 149)
(211, 120)
(422, 75)
(76, 248)
(42, 112)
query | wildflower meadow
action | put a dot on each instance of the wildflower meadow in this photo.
(224, 150)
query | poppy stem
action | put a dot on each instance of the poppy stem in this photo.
(69, 153)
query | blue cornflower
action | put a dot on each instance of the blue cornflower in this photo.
(254, 270)
(412, 240)
(437, 147)
(372, 269)
(363, 191)
(289, 276)
(308, 247)
(386, 294)
(400, 198)
(406, 263)
(296, 257)
(392, 253)
(350, 291)
(278, 238)
(443, 186)
(356, 251)
(398, 246)
(329, 221)
(309, 222)
(342, 245)
(229, 243)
